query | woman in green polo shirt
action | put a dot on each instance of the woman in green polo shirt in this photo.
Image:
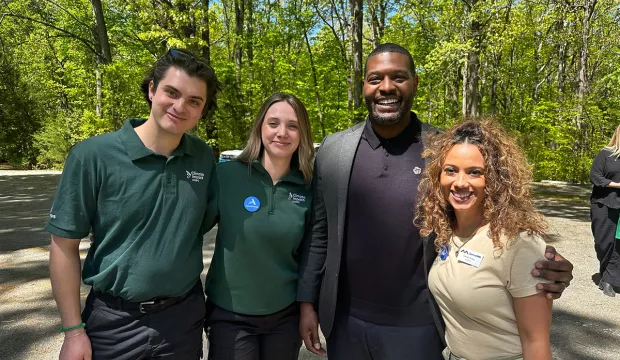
(264, 205)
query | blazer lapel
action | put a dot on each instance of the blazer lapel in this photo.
(348, 149)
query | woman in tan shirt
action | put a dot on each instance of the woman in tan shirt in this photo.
(475, 198)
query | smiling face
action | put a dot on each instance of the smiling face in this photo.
(280, 131)
(389, 87)
(462, 180)
(178, 101)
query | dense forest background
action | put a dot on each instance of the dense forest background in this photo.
(549, 70)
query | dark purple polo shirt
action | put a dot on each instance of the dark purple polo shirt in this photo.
(383, 279)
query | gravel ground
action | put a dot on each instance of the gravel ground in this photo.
(586, 323)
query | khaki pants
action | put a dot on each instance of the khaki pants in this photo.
(448, 355)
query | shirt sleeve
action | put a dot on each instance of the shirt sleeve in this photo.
(527, 250)
(212, 213)
(75, 203)
(598, 169)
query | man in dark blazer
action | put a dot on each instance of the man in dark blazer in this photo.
(363, 262)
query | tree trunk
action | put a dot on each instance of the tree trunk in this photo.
(98, 91)
(239, 12)
(103, 56)
(473, 74)
(377, 12)
(537, 50)
(356, 42)
(464, 89)
(496, 64)
(588, 11)
(250, 52)
(101, 33)
(226, 10)
(315, 83)
(561, 50)
(206, 34)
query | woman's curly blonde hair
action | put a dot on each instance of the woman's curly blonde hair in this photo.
(508, 207)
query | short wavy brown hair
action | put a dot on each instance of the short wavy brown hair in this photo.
(508, 207)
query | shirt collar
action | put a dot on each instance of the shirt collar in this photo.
(136, 149)
(408, 136)
(294, 175)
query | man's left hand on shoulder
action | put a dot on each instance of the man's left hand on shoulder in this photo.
(556, 269)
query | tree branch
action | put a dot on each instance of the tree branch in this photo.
(333, 30)
(86, 43)
(70, 14)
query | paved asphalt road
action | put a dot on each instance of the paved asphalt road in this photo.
(586, 324)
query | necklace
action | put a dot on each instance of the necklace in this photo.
(458, 248)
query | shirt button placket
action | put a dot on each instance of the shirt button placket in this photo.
(385, 160)
(170, 178)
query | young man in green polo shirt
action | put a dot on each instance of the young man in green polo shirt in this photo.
(145, 193)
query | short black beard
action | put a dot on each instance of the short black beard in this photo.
(386, 120)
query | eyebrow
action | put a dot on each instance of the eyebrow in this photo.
(277, 118)
(398, 71)
(170, 87)
(469, 167)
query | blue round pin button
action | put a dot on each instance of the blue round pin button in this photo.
(251, 203)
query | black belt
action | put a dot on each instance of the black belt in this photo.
(145, 307)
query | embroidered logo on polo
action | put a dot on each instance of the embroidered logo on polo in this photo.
(296, 198)
(417, 170)
(251, 203)
(194, 175)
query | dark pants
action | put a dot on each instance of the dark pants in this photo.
(352, 338)
(604, 223)
(235, 336)
(120, 334)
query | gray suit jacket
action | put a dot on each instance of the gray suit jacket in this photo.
(321, 250)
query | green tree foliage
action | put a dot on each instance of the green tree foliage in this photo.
(548, 70)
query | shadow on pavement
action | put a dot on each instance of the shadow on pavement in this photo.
(25, 202)
(13, 276)
(578, 211)
(575, 337)
(564, 201)
(20, 330)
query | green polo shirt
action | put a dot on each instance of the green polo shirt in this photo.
(261, 225)
(147, 212)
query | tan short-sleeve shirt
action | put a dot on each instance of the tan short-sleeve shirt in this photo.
(477, 302)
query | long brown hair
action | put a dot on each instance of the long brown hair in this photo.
(508, 207)
(303, 156)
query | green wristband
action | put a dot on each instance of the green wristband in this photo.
(72, 327)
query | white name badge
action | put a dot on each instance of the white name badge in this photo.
(470, 257)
